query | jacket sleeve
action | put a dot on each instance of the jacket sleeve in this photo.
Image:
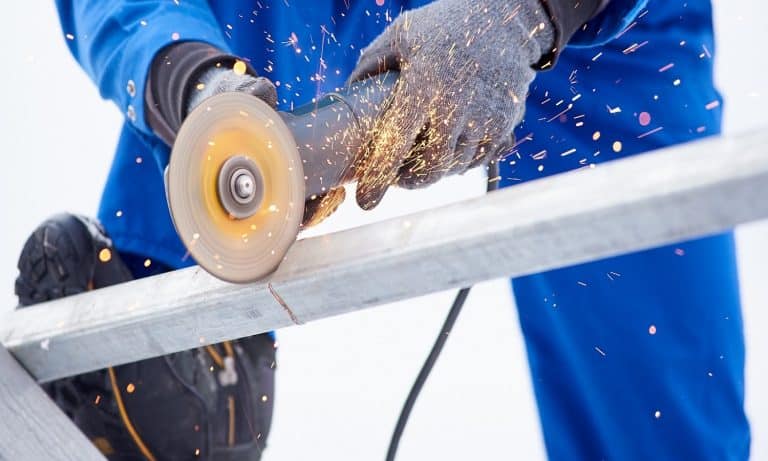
(617, 16)
(115, 42)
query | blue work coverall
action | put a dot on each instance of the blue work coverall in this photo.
(634, 357)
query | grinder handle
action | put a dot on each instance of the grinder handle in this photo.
(329, 133)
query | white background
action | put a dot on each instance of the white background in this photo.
(342, 381)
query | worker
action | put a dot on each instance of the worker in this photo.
(634, 357)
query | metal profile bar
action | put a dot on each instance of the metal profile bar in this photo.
(33, 427)
(623, 206)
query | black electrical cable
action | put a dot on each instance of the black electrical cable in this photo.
(426, 369)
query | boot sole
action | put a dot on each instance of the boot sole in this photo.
(54, 261)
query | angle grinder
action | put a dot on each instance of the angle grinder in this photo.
(243, 178)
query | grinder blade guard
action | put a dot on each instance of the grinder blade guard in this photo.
(240, 172)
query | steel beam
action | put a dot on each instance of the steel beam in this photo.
(33, 428)
(619, 207)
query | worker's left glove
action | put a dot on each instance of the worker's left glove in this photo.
(465, 67)
(184, 74)
(219, 79)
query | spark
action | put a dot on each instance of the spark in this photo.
(105, 255)
(648, 133)
(600, 351)
(293, 41)
(667, 67)
(570, 106)
(239, 68)
(630, 27)
(634, 47)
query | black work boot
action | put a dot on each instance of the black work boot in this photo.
(66, 255)
(212, 403)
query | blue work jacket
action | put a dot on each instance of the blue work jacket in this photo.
(307, 47)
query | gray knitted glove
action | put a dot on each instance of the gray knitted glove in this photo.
(218, 80)
(465, 68)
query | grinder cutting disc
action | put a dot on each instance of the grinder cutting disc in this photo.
(235, 186)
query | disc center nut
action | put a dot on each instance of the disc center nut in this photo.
(240, 187)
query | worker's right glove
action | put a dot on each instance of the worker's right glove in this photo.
(465, 67)
(185, 74)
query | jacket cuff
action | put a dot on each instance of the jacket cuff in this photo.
(128, 81)
(567, 17)
(172, 76)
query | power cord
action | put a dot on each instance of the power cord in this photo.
(450, 320)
